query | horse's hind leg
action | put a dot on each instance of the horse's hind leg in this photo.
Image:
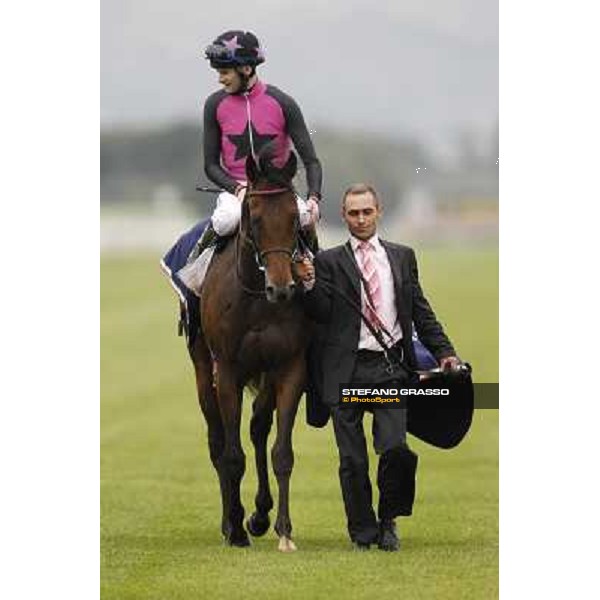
(260, 426)
(288, 389)
(208, 404)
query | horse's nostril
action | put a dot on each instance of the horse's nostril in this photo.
(276, 293)
(270, 294)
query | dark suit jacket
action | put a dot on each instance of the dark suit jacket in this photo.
(340, 329)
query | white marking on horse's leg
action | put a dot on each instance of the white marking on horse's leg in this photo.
(286, 544)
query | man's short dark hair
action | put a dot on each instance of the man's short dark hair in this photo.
(360, 188)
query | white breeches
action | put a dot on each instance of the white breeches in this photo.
(226, 216)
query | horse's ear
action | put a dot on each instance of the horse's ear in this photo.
(251, 169)
(264, 164)
(289, 169)
(265, 156)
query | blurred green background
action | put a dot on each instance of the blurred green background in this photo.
(160, 502)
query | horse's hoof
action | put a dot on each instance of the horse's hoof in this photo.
(286, 544)
(240, 543)
(240, 540)
(258, 525)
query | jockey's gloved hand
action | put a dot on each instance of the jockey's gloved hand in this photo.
(312, 206)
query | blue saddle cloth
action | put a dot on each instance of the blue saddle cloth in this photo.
(174, 260)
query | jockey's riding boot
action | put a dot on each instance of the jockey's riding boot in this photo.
(310, 235)
(193, 273)
(209, 237)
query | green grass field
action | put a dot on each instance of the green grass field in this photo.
(160, 502)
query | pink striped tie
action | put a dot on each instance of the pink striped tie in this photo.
(369, 271)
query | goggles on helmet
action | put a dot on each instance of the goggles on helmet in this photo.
(219, 52)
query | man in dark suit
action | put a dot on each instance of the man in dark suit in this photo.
(383, 279)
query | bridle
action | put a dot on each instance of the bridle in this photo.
(259, 255)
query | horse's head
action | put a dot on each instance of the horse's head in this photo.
(270, 222)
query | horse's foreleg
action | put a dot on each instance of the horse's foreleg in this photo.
(288, 389)
(233, 459)
(260, 426)
(208, 404)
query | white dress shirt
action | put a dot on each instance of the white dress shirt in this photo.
(387, 312)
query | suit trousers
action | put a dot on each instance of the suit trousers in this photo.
(397, 464)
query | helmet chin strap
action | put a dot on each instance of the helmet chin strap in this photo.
(244, 80)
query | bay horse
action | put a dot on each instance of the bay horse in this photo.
(253, 328)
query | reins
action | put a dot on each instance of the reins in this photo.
(259, 255)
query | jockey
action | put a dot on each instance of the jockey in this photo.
(240, 120)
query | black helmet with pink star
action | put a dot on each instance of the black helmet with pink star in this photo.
(235, 49)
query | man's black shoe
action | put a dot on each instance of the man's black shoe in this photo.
(388, 538)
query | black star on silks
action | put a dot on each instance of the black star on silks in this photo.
(242, 141)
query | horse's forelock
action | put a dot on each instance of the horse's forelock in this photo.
(270, 174)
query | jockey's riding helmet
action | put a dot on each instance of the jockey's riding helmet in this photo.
(235, 49)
